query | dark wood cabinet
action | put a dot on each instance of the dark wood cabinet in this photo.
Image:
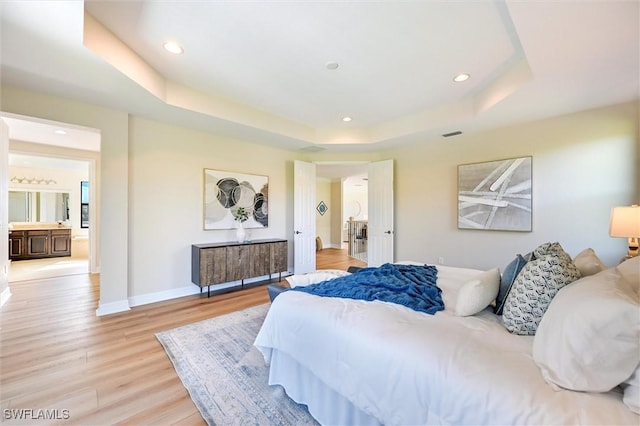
(60, 242)
(219, 263)
(16, 245)
(39, 243)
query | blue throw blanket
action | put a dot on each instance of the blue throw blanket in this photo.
(413, 286)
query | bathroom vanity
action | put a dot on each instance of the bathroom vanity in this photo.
(39, 241)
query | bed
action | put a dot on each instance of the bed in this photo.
(372, 362)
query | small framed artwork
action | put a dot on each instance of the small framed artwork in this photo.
(231, 195)
(495, 195)
(322, 208)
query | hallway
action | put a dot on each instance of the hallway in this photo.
(331, 258)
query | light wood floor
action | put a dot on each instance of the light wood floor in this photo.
(55, 354)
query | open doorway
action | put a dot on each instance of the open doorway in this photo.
(45, 194)
(341, 222)
(50, 233)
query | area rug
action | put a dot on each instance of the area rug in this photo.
(226, 375)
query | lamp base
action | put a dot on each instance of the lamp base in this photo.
(633, 247)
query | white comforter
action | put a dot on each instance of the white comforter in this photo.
(404, 367)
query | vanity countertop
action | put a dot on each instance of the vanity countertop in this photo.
(37, 225)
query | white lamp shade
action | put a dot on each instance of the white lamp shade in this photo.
(625, 222)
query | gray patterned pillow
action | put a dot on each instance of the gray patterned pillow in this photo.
(536, 284)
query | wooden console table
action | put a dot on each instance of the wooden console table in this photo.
(219, 263)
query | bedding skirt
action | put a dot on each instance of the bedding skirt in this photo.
(324, 404)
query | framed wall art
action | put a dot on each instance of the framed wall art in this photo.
(228, 195)
(495, 195)
(322, 208)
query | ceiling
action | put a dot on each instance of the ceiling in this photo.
(257, 70)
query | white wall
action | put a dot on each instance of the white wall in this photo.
(323, 222)
(166, 166)
(5, 292)
(336, 217)
(150, 203)
(111, 201)
(583, 164)
(355, 201)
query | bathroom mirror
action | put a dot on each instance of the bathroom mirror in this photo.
(38, 206)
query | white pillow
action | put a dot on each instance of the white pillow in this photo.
(588, 338)
(588, 263)
(478, 293)
(631, 387)
(630, 271)
(314, 277)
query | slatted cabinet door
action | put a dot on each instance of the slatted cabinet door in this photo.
(279, 258)
(259, 260)
(238, 262)
(213, 268)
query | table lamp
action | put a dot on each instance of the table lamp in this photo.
(625, 222)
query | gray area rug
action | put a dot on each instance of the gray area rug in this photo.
(226, 375)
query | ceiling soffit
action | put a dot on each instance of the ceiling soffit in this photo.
(411, 83)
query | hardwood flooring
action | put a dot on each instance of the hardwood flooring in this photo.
(58, 359)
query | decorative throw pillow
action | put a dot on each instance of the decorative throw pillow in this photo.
(588, 263)
(314, 277)
(478, 293)
(588, 340)
(535, 286)
(508, 277)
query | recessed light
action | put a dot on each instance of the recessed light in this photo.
(59, 132)
(332, 65)
(172, 47)
(346, 119)
(461, 77)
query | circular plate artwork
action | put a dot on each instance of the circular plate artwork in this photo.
(226, 192)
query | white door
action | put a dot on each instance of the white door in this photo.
(4, 211)
(304, 218)
(380, 229)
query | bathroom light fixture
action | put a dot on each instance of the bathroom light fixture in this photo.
(173, 47)
(346, 119)
(33, 181)
(461, 77)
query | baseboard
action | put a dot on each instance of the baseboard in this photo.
(160, 296)
(174, 293)
(6, 294)
(112, 307)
